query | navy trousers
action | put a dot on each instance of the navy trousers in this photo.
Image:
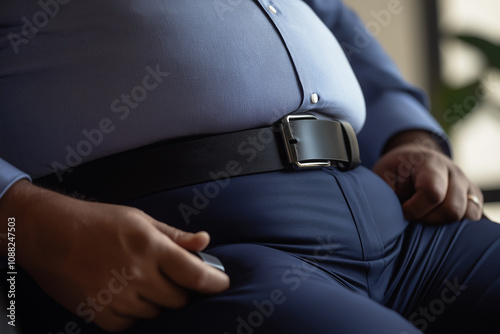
(323, 251)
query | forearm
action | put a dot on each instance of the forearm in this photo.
(15, 208)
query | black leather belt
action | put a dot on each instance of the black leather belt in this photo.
(296, 142)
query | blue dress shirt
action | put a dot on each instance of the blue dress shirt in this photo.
(82, 79)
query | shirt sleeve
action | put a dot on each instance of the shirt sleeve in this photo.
(392, 105)
(9, 175)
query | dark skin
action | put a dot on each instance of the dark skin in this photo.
(71, 247)
(56, 228)
(430, 186)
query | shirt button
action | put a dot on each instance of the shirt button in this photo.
(272, 9)
(314, 98)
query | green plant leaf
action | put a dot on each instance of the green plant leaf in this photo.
(490, 50)
(453, 104)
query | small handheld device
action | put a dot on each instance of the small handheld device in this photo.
(210, 260)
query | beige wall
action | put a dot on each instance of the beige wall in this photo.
(397, 24)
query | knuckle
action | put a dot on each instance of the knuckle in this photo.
(454, 211)
(174, 233)
(435, 195)
(138, 276)
(457, 171)
(138, 243)
(452, 215)
(122, 303)
(134, 213)
(121, 307)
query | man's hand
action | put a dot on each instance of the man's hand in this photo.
(109, 264)
(430, 186)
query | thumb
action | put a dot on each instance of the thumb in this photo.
(190, 241)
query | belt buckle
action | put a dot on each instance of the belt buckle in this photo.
(290, 143)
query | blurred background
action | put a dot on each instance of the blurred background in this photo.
(451, 49)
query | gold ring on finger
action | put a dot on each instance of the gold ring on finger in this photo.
(474, 199)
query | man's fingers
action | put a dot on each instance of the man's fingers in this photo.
(404, 189)
(140, 307)
(431, 185)
(453, 207)
(188, 271)
(191, 241)
(161, 291)
(432, 188)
